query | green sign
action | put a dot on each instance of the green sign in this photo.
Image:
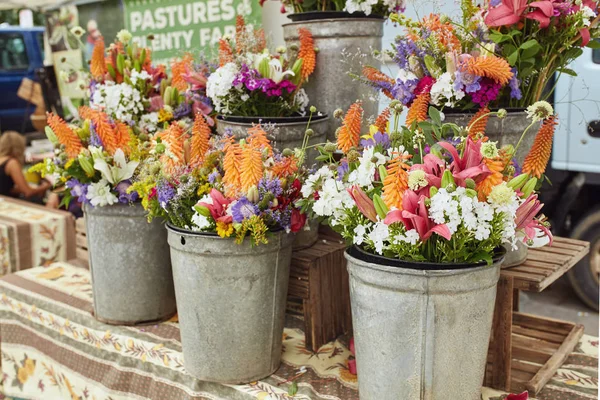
(178, 26)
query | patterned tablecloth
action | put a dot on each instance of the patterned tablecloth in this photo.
(52, 348)
(32, 235)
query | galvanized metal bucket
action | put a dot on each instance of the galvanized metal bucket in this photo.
(507, 130)
(420, 334)
(231, 301)
(282, 132)
(515, 257)
(305, 238)
(330, 87)
(130, 265)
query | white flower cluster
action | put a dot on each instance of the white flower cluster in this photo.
(333, 195)
(587, 15)
(443, 91)
(368, 163)
(302, 101)
(366, 6)
(219, 84)
(149, 122)
(121, 101)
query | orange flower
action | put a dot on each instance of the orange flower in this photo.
(178, 69)
(251, 167)
(443, 31)
(375, 76)
(382, 120)
(492, 67)
(173, 137)
(65, 135)
(349, 133)
(484, 188)
(98, 62)
(478, 123)
(285, 167)
(232, 163)
(261, 41)
(200, 137)
(257, 138)
(307, 52)
(123, 136)
(106, 132)
(537, 159)
(418, 110)
(396, 182)
(225, 52)
(240, 34)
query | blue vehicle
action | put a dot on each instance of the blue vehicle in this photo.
(21, 53)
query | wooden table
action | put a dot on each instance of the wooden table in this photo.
(526, 350)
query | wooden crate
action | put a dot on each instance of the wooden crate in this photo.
(539, 347)
(319, 291)
(81, 241)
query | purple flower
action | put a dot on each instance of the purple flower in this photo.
(342, 170)
(212, 177)
(404, 91)
(495, 3)
(94, 138)
(165, 193)
(488, 92)
(379, 138)
(243, 209)
(404, 49)
(467, 82)
(77, 189)
(182, 110)
(269, 186)
(515, 91)
(125, 197)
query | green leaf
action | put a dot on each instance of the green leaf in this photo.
(593, 44)
(529, 44)
(293, 389)
(531, 50)
(512, 59)
(481, 256)
(435, 116)
(567, 71)
(322, 158)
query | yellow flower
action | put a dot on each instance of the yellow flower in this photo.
(204, 189)
(373, 129)
(164, 115)
(224, 229)
(29, 366)
(22, 375)
(69, 163)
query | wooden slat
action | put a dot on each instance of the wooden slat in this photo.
(501, 335)
(542, 323)
(533, 355)
(81, 254)
(534, 333)
(529, 342)
(525, 366)
(81, 242)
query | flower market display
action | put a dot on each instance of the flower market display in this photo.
(380, 8)
(230, 205)
(426, 211)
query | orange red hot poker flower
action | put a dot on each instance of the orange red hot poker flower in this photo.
(349, 133)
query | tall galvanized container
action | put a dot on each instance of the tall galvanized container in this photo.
(330, 87)
(283, 133)
(130, 265)
(231, 302)
(420, 334)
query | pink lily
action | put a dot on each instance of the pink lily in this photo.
(470, 165)
(204, 109)
(526, 221)
(585, 32)
(414, 215)
(363, 202)
(197, 80)
(218, 207)
(156, 103)
(544, 10)
(434, 169)
(509, 12)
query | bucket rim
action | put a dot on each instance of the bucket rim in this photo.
(183, 231)
(358, 254)
(134, 209)
(281, 121)
(332, 15)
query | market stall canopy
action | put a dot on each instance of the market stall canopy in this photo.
(38, 4)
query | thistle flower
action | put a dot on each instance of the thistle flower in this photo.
(98, 61)
(540, 110)
(491, 67)
(306, 52)
(537, 159)
(65, 135)
(349, 133)
(418, 111)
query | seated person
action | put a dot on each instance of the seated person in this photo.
(12, 180)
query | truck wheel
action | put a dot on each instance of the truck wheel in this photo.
(584, 277)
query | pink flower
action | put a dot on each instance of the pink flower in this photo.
(414, 215)
(544, 10)
(197, 80)
(468, 166)
(522, 396)
(526, 221)
(156, 103)
(363, 202)
(218, 207)
(509, 12)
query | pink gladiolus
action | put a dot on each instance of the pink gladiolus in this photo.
(363, 202)
(526, 221)
(414, 215)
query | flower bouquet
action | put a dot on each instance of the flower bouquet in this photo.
(215, 192)
(426, 211)
(380, 8)
(97, 159)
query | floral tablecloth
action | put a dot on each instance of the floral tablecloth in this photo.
(52, 348)
(33, 235)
